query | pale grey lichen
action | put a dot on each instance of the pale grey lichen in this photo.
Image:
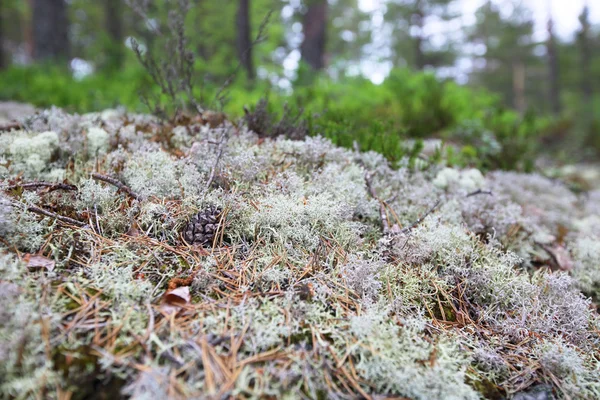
(31, 155)
(586, 269)
(152, 173)
(6, 220)
(304, 295)
(98, 141)
(363, 276)
(391, 357)
(27, 370)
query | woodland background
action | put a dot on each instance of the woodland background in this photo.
(311, 63)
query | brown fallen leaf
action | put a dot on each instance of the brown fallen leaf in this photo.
(134, 229)
(37, 261)
(563, 258)
(559, 256)
(175, 299)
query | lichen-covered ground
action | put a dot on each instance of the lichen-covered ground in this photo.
(331, 274)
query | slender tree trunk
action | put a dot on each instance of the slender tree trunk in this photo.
(27, 32)
(585, 55)
(2, 59)
(419, 20)
(519, 86)
(114, 28)
(243, 41)
(553, 69)
(314, 26)
(50, 30)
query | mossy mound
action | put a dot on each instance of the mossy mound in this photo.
(331, 274)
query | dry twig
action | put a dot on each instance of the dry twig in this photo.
(50, 185)
(417, 222)
(51, 214)
(383, 215)
(116, 183)
(479, 191)
(220, 148)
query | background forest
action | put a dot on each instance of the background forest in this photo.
(376, 75)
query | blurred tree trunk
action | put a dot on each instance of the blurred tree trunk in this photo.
(583, 37)
(2, 59)
(114, 27)
(418, 18)
(243, 41)
(50, 30)
(27, 31)
(553, 69)
(314, 27)
(519, 86)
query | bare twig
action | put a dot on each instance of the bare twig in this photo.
(383, 215)
(394, 197)
(479, 191)
(51, 185)
(116, 183)
(173, 73)
(220, 148)
(51, 214)
(417, 222)
(384, 219)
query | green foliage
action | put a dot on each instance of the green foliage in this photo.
(46, 85)
(382, 117)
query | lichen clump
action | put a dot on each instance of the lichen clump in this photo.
(329, 273)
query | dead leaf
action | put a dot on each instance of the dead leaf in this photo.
(559, 256)
(175, 299)
(37, 261)
(134, 230)
(563, 258)
(563, 231)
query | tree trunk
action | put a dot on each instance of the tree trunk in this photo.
(585, 57)
(519, 86)
(418, 18)
(243, 41)
(27, 32)
(553, 69)
(314, 27)
(114, 27)
(50, 30)
(2, 59)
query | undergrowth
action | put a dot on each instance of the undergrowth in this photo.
(332, 272)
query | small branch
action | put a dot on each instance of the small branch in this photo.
(417, 222)
(216, 164)
(51, 214)
(117, 183)
(382, 214)
(34, 185)
(394, 197)
(479, 191)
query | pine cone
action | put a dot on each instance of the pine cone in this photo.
(202, 227)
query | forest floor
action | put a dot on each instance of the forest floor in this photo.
(143, 259)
